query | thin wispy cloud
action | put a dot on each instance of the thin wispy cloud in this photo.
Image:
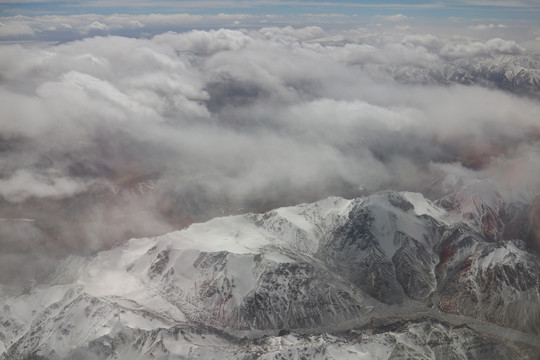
(392, 18)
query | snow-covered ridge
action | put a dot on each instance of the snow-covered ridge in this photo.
(305, 267)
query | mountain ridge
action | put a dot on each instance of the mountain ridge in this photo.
(299, 268)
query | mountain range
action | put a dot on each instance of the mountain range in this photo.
(391, 275)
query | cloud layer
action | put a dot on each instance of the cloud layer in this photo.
(110, 137)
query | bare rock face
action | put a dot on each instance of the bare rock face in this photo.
(292, 297)
(413, 265)
(356, 254)
(518, 74)
(533, 222)
(376, 253)
(497, 282)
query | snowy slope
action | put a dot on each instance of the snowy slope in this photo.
(519, 74)
(332, 266)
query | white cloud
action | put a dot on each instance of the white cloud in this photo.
(421, 39)
(504, 46)
(481, 27)
(478, 48)
(393, 18)
(292, 34)
(390, 53)
(234, 118)
(13, 29)
(97, 25)
(205, 42)
(79, 26)
(24, 184)
(404, 28)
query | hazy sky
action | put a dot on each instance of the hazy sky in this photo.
(486, 9)
(67, 20)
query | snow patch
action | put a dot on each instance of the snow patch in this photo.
(505, 254)
(233, 234)
(422, 206)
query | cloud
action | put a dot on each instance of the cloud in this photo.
(206, 42)
(24, 184)
(392, 18)
(302, 34)
(97, 26)
(391, 53)
(64, 28)
(426, 40)
(404, 28)
(492, 47)
(13, 29)
(481, 27)
(118, 136)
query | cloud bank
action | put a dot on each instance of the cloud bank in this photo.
(110, 137)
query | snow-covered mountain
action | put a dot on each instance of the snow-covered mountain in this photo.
(519, 74)
(391, 275)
